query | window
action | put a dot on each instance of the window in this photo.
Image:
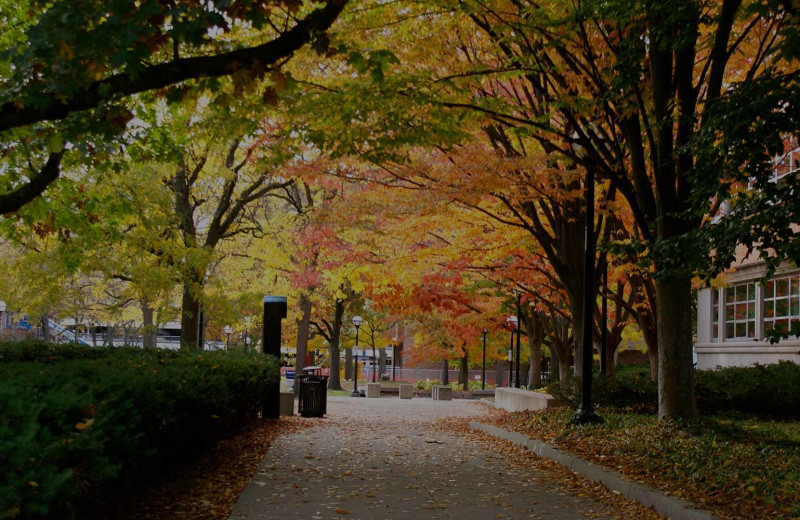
(782, 303)
(715, 315)
(788, 162)
(740, 311)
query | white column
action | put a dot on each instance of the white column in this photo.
(723, 329)
(704, 308)
(759, 311)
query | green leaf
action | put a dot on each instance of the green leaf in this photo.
(55, 144)
(357, 61)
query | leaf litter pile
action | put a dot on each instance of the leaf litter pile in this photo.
(737, 467)
(206, 488)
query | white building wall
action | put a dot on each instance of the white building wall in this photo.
(726, 352)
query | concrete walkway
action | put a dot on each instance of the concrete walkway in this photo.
(381, 459)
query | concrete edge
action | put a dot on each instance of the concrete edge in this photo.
(673, 508)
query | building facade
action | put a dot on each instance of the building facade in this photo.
(732, 321)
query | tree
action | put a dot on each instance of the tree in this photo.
(631, 85)
(66, 89)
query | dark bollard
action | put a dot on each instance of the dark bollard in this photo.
(274, 312)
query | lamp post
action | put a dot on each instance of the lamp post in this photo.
(603, 320)
(274, 311)
(513, 322)
(483, 370)
(357, 321)
(518, 323)
(585, 412)
(227, 330)
(510, 361)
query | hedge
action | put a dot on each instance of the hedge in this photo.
(766, 390)
(75, 420)
(771, 390)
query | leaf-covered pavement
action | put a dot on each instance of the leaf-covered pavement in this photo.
(395, 459)
(204, 489)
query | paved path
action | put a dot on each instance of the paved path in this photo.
(380, 459)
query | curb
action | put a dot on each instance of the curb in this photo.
(673, 508)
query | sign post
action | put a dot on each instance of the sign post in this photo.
(274, 311)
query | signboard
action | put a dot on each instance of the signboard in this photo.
(290, 374)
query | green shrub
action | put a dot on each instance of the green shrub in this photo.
(772, 390)
(473, 384)
(766, 390)
(35, 350)
(427, 384)
(71, 427)
(631, 389)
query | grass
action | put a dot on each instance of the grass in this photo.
(339, 393)
(735, 465)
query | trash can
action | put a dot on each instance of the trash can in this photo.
(313, 393)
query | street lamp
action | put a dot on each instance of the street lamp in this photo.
(510, 361)
(603, 321)
(513, 322)
(483, 370)
(357, 321)
(519, 301)
(227, 330)
(585, 412)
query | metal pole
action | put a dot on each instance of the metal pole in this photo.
(519, 329)
(585, 412)
(274, 311)
(483, 370)
(201, 343)
(603, 323)
(355, 392)
(511, 362)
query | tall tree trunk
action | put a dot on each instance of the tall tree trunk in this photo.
(148, 325)
(381, 362)
(675, 365)
(563, 370)
(45, 320)
(374, 361)
(111, 331)
(645, 318)
(535, 333)
(303, 325)
(555, 365)
(190, 318)
(445, 373)
(348, 364)
(463, 371)
(334, 383)
(576, 313)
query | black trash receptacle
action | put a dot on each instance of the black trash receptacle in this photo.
(313, 395)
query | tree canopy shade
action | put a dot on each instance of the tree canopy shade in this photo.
(63, 58)
(637, 91)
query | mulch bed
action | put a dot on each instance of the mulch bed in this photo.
(203, 489)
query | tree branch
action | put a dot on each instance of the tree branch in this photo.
(17, 198)
(54, 107)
